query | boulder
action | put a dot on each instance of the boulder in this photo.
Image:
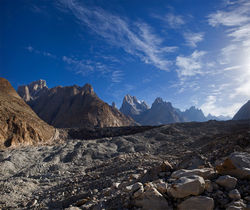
(227, 182)
(197, 203)
(185, 186)
(237, 164)
(203, 172)
(151, 199)
(234, 194)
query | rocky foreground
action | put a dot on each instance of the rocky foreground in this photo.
(178, 166)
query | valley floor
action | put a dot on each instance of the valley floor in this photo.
(80, 169)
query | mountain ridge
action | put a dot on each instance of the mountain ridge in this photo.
(75, 106)
(174, 114)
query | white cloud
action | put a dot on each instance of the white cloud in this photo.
(214, 107)
(44, 53)
(117, 76)
(174, 21)
(190, 65)
(193, 38)
(136, 39)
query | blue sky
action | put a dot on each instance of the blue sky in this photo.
(188, 52)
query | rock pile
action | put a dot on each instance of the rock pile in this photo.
(193, 189)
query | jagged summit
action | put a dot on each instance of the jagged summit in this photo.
(32, 90)
(75, 106)
(243, 113)
(131, 106)
(19, 125)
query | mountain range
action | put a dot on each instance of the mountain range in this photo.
(71, 106)
(75, 106)
(162, 112)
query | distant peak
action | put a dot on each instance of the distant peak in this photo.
(158, 100)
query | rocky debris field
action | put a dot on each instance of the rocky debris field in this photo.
(179, 166)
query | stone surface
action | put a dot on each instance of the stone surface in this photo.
(227, 181)
(185, 186)
(197, 203)
(203, 172)
(19, 125)
(234, 194)
(151, 199)
(237, 164)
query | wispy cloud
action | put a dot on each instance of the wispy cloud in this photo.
(85, 66)
(190, 65)
(235, 19)
(40, 52)
(174, 21)
(136, 38)
(117, 76)
(193, 38)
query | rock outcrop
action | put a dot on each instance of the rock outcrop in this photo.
(75, 106)
(19, 125)
(243, 113)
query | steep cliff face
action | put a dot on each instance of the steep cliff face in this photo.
(76, 106)
(19, 125)
(243, 113)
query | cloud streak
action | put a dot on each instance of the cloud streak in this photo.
(190, 65)
(193, 38)
(137, 39)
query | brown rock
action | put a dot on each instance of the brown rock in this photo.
(237, 164)
(151, 199)
(197, 203)
(227, 182)
(19, 125)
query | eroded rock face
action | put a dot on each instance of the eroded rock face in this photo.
(197, 203)
(19, 125)
(237, 164)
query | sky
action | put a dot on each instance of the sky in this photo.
(189, 52)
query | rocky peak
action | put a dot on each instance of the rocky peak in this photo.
(160, 103)
(87, 88)
(194, 114)
(33, 90)
(132, 106)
